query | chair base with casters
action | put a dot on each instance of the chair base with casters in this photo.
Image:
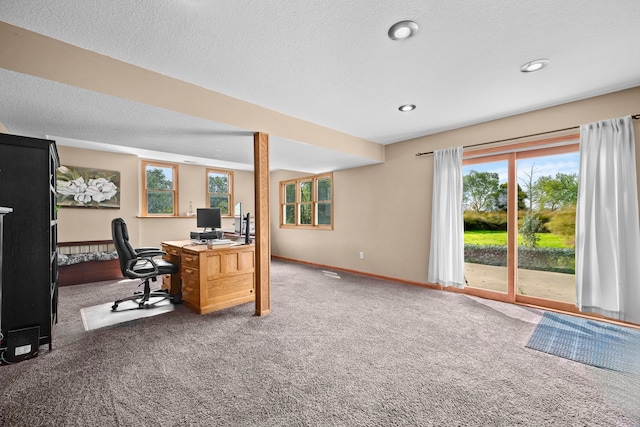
(141, 263)
(143, 299)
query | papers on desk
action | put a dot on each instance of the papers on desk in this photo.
(219, 242)
(213, 242)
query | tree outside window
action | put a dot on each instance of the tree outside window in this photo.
(289, 206)
(219, 190)
(307, 202)
(160, 182)
(324, 201)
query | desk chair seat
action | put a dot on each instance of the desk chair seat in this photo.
(141, 264)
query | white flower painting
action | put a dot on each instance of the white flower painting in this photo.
(91, 188)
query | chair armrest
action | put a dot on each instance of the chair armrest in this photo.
(151, 252)
(131, 264)
(145, 249)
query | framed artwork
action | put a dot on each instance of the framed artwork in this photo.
(87, 188)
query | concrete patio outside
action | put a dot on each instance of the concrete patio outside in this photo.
(542, 284)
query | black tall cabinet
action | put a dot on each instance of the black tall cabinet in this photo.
(29, 294)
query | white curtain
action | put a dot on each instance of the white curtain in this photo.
(607, 229)
(446, 257)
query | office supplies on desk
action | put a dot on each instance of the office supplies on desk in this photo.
(213, 243)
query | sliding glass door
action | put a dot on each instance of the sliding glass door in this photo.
(519, 217)
(546, 228)
(485, 220)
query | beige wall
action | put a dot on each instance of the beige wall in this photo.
(385, 210)
(382, 210)
(81, 224)
(78, 224)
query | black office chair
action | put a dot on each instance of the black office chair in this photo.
(140, 264)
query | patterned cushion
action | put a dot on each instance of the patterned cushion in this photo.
(93, 256)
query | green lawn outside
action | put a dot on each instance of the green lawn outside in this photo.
(484, 237)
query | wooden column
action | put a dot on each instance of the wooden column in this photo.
(263, 239)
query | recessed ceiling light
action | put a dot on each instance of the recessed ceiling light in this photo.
(407, 107)
(403, 30)
(536, 65)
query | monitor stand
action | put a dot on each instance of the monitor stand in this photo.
(204, 235)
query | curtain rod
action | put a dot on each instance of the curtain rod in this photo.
(634, 117)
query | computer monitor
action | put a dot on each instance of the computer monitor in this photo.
(209, 218)
(237, 218)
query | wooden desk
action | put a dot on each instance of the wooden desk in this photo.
(211, 279)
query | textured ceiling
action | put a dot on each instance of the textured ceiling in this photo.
(326, 62)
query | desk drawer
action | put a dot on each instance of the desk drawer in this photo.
(190, 260)
(170, 250)
(188, 272)
(191, 290)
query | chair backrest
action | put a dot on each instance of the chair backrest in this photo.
(121, 242)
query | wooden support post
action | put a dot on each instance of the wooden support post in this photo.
(263, 239)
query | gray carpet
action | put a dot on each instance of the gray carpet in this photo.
(337, 350)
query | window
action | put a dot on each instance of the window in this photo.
(220, 190)
(307, 202)
(323, 212)
(160, 188)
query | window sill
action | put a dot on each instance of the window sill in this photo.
(307, 227)
(173, 216)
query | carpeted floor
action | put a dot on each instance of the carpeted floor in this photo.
(588, 341)
(338, 349)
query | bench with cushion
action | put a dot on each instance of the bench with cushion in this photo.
(87, 262)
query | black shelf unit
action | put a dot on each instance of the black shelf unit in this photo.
(29, 304)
